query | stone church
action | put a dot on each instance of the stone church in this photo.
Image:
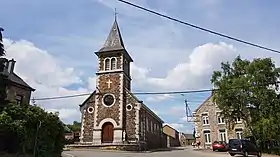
(112, 115)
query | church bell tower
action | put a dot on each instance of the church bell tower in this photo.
(113, 79)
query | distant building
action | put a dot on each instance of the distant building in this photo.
(210, 126)
(17, 90)
(186, 139)
(172, 136)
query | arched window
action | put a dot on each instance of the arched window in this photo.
(113, 63)
(107, 64)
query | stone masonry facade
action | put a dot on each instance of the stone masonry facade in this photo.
(210, 126)
(14, 90)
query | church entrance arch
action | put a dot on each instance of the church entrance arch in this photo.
(107, 135)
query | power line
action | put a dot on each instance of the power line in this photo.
(136, 93)
(157, 93)
(201, 28)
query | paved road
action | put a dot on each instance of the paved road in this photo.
(188, 152)
(174, 153)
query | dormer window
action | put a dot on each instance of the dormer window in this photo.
(107, 64)
(113, 63)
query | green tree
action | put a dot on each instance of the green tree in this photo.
(247, 89)
(76, 126)
(32, 127)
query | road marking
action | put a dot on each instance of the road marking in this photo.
(69, 155)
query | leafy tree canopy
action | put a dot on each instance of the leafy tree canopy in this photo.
(247, 89)
(27, 122)
(76, 126)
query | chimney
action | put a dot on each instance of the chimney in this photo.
(11, 66)
(5, 64)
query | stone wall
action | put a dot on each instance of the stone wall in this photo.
(130, 110)
(14, 90)
(88, 120)
(153, 131)
(113, 111)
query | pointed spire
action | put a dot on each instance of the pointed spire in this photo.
(114, 40)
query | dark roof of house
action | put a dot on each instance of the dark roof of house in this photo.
(14, 78)
(188, 136)
(114, 40)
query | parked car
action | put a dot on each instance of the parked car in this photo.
(219, 146)
(243, 147)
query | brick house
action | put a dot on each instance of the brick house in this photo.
(172, 136)
(112, 114)
(210, 126)
(17, 89)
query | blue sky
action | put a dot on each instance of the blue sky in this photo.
(54, 44)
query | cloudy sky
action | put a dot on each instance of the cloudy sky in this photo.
(54, 42)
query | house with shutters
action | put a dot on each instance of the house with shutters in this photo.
(112, 114)
(211, 126)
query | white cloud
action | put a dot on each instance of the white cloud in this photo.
(43, 67)
(187, 119)
(43, 72)
(194, 73)
(159, 98)
(92, 83)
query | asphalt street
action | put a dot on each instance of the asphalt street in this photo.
(188, 152)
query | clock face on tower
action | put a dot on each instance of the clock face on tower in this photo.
(108, 100)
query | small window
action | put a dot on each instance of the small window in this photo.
(238, 120)
(19, 99)
(107, 64)
(239, 133)
(207, 136)
(220, 118)
(113, 64)
(205, 119)
(128, 107)
(90, 109)
(222, 135)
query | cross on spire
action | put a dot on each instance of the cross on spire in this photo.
(115, 14)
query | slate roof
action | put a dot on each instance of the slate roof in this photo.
(114, 40)
(188, 136)
(14, 78)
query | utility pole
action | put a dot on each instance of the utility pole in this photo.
(36, 139)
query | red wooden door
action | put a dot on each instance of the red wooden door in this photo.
(107, 133)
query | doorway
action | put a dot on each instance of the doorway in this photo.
(107, 133)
